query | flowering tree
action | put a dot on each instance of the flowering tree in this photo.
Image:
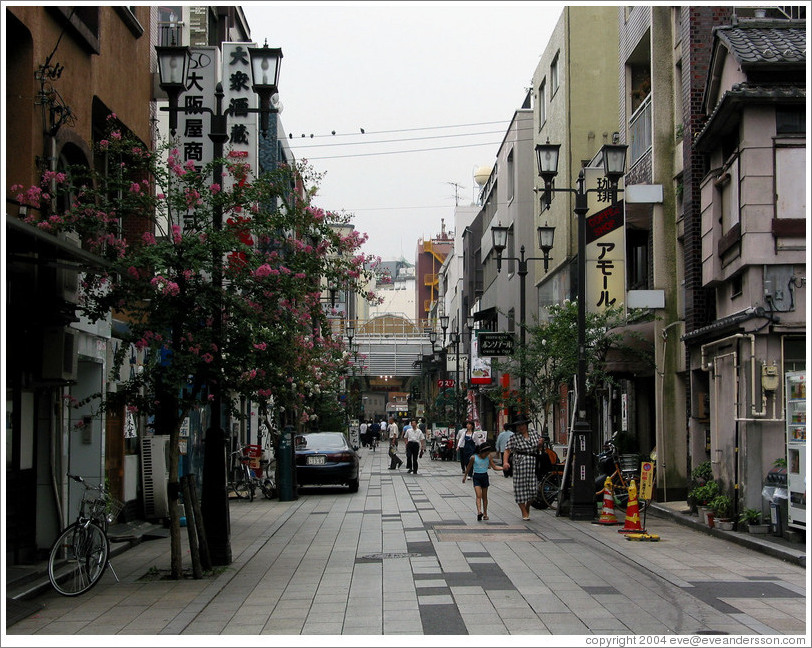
(166, 231)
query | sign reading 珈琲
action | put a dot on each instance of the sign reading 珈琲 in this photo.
(495, 344)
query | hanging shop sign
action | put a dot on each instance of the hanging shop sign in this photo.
(495, 344)
(605, 245)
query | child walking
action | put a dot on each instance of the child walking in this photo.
(479, 464)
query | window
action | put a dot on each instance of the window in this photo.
(790, 121)
(736, 286)
(790, 175)
(554, 75)
(511, 176)
(542, 103)
(511, 251)
(727, 185)
(637, 255)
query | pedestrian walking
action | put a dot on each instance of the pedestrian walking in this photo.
(394, 460)
(415, 446)
(502, 439)
(467, 440)
(520, 452)
(477, 467)
(363, 433)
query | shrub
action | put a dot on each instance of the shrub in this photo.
(722, 506)
(750, 516)
(705, 493)
(702, 472)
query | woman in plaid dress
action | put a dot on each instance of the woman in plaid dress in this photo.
(520, 453)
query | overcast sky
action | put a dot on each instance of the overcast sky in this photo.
(432, 84)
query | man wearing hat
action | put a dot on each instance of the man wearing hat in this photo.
(520, 452)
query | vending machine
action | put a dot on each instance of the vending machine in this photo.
(796, 448)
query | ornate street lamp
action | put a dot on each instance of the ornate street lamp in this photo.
(614, 163)
(173, 64)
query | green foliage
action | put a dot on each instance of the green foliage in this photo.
(549, 358)
(703, 495)
(722, 505)
(750, 516)
(702, 472)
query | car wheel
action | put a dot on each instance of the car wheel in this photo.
(354, 485)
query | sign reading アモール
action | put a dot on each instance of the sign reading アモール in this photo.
(495, 344)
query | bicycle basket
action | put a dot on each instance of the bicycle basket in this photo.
(105, 507)
(629, 462)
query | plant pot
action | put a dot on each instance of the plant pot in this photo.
(758, 529)
(724, 524)
(704, 512)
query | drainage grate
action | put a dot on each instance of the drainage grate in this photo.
(385, 556)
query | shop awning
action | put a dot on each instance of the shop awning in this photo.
(633, 353)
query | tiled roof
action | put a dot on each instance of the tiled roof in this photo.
(765, 45)
(740, 95)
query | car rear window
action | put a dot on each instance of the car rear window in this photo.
(321, 440)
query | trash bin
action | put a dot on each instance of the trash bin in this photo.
(286, 466)
(775, 518)
(776, 494)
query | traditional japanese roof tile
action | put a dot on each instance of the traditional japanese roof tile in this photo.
(756, 45)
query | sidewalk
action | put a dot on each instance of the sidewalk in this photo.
(406, 555)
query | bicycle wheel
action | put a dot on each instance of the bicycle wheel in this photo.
(550, 488)
(78, 559)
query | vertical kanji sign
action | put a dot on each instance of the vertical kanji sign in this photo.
(605, 245)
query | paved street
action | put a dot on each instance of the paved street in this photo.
(406, 555)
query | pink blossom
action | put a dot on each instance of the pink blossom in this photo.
(207, 358)
(135, 187)
(148, 238)
(263, 271)
(176, 234)
(116, 135)
(214, 188)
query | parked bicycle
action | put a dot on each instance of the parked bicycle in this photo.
(81, 553)
(609, 463)
(241, 481)
(265, 477)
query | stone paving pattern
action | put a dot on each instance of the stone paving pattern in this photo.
(407, 556)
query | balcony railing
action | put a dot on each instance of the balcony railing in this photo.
(640, 131)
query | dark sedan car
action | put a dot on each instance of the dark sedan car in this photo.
(325, 458)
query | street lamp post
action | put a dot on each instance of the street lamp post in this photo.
(582, 497)
(173, 64)
(499, 234)
(455, 340)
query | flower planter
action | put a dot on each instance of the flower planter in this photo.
(758, 529)
(705, 515)
(724, 524)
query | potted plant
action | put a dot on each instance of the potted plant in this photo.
(754, 521)
(700, 475)
(722, 506)
(702, 496)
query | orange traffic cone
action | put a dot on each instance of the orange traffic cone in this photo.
(632, 513)
(608, 516)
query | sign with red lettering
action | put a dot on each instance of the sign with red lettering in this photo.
(605, 245)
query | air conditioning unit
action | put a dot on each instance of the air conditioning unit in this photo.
(155, 475)
(59, 354)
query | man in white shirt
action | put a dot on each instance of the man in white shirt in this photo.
(362, 430)
(415, 446)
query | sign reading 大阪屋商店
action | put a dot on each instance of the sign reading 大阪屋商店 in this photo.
(495, 344)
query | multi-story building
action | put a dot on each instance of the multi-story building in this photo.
(429, 256)
(67, 70)
(575, 87)
(749, 220)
